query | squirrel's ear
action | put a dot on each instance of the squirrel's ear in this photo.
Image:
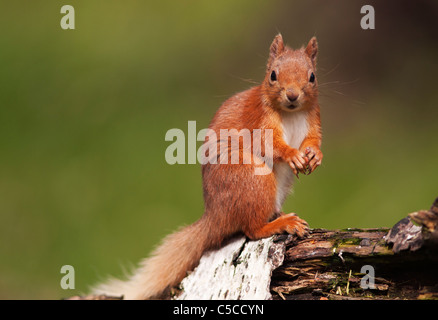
(277, 47)
(312, 49)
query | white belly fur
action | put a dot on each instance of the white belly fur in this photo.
(295, 129)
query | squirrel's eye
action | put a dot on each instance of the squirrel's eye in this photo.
(312, 77)
(273, 76)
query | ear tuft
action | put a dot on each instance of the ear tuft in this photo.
(312, 49)
(277, 48)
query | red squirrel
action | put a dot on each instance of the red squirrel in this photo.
(236, 199)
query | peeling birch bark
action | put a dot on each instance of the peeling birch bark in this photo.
(241, 270)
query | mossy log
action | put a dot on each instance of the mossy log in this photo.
(401, 263)
(350, 264)
(333, 264)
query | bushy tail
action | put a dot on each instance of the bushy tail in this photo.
(167, 266)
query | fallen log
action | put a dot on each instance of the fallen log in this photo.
(350, 264)
(396, 263)
(354, 264)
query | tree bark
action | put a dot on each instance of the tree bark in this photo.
(400, 263)
(354, 264)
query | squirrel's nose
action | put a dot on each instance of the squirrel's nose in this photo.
(291, 95)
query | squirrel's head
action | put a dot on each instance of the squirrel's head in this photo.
(290, 82)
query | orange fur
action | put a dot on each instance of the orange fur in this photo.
(237, 200)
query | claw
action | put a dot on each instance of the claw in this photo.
(311, 156)
(294, 169)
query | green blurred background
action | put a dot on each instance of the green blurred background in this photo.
(83, 115)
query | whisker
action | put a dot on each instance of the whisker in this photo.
(251, 81)
(330, 71)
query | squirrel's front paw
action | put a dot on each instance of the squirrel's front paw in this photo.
(296, 160)
(296, 226)
(313, 158)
